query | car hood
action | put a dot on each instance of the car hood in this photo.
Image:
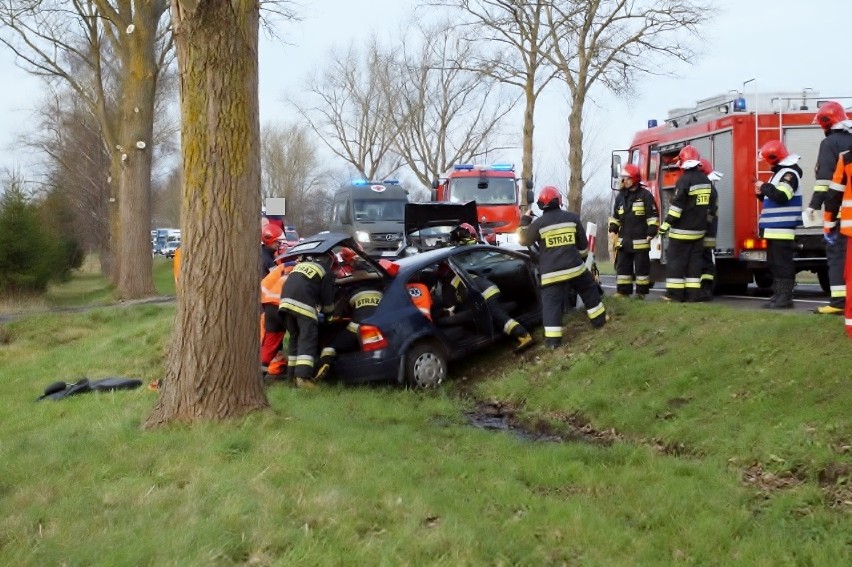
(431, 215)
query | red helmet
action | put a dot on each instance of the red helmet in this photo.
(632, 171)
(705, 166)
(687, 153)
(463, 232)
(270, 234)
(392, 268)
(549, 197)
(830, 114)
(773, 152)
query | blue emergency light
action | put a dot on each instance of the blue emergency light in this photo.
(360, 182)
(739, 104)
(503, 167)
(652, 123)
(463, 166)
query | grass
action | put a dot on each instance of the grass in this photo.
(86, 287)
(728, 434)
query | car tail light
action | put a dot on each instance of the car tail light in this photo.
(371, 338)
(754, 244)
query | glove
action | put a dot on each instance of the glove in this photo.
(830, 238)
(810, 214)
(664, 228)
(526, 220)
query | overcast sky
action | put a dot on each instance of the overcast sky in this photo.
(786, 45)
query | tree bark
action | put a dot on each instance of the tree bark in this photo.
(213, 369)
(528, 128)
(575, 153)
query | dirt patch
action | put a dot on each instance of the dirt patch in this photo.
(5, 335)
(836, 481)
(503, 416)
(767, 482)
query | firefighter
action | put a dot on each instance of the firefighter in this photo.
(362, 302)
(838, 137)
(778, 219)
(308, 292)
(272, 360)
(843, 178)
(269, 235)
(463, 235)
(563, 248)
(708, 265)
(686, 225)
(633, 224)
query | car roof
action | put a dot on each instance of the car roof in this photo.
(323, 243)
(417, 262)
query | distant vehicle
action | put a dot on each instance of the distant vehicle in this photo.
(164, 236)
(373, 213)
(291, 235)
(398, 342)
(497, 191)
(169, 250)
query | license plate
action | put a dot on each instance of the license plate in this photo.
(389, 253)
(753, 255)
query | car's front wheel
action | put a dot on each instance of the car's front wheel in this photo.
(425, 365)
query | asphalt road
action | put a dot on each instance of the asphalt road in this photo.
(806, 297)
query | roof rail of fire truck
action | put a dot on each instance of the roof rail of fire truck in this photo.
(494, 166)
(736, 101)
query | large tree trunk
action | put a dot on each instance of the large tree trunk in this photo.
(529, 125)
(139, 87)
(575, 154)
(213, 370)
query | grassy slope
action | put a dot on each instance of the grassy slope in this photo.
(383, 476)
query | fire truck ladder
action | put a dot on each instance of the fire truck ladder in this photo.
(778, 130)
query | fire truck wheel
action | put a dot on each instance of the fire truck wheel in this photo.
(763, 279)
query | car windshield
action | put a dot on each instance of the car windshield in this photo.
(291, 235)
(500, 190)
(372, 210)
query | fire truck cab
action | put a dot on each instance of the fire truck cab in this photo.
(729, 131)
(496, 190)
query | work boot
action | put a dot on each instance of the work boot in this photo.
(525, 341)
(773, 297)
(322, 372)
(618, 295)
(828, 310)
(784, 295)
(305, 384)
(639, 296)
(552, 343)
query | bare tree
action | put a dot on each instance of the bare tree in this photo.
(350, 115)
(110, 54)
(290, 168)
(514, 34)
(442, 112)
(611, 43)
(212, 370)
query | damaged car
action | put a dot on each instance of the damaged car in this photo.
(414, 333)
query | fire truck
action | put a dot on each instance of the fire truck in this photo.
(496, 190)
(729, 130)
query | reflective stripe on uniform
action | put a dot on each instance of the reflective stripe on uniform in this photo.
(327, 351)
(352, 327)
(779, 233)
(641, 244)
(298, 307)
(838, 291)
(368, 298)
(552, 332)
(643, 280)
(683, 234)
(692, 283)
(623, 279)
(675, 283)
(595, 311)
(559, 234)
(510, 324)
(562, 275)
(675, 212)
(490, 292)
(304, 360)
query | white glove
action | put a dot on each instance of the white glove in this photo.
(810, 214)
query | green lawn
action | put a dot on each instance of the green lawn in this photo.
(700, 435)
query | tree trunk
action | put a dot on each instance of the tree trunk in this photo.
(213, 369)
(575, 153)
(529, 125)
(113, 259)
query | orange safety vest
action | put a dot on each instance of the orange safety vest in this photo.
(272, 284)
(843, 173)
(176, 264)
(421, 298)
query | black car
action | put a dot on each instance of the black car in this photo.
(399, 342)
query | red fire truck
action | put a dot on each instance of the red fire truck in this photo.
(496, 190)
(729, 131)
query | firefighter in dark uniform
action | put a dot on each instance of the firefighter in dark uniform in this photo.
(455, 293)
(838, 137)
(634, 223)
(308, 291)
(362, 303)
(686, 225)
(563, 247)
(708, 265)
(781, 213)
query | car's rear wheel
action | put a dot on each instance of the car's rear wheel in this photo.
(425, 365)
